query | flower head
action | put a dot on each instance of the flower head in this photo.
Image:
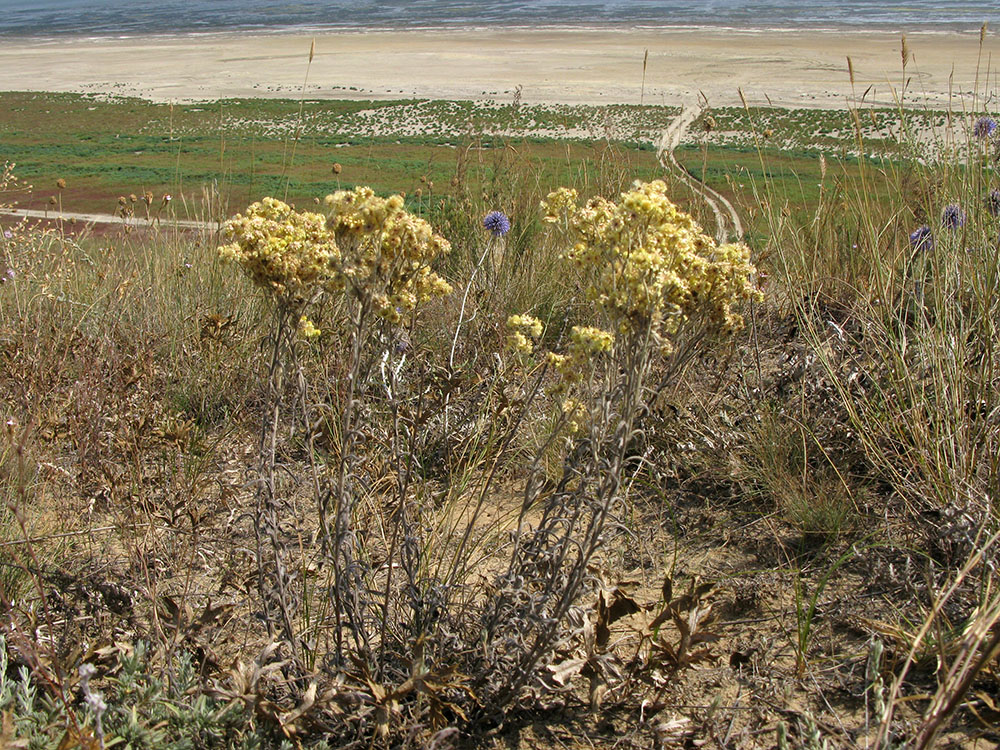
(649, 263)
(307, 329)
(984, 127)
(385, 252)
(497, 223)
(993, 202)
(523, 329)
(284, 251)
(922, 239)
(953, 216)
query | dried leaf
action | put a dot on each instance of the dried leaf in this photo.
(442, 736)
(667, 592)
(598, 687)
(8, 733)
(287, 720)
(559, 675)
(661, 618)
(675, 731)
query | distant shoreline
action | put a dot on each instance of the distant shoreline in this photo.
(970, 32)
(786, 68)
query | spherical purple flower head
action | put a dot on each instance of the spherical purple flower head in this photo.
(992, 202)
(922, 240)
(984, 127)
(953, 216)
(497, 222)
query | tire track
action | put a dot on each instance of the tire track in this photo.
(133, 221)
(725, 214)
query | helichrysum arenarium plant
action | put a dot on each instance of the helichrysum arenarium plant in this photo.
(386, 253)
(649, 270)
(375, 257)
(649, 265)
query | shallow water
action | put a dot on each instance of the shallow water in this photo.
(45, 18)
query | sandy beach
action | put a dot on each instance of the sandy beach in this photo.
(785, 68)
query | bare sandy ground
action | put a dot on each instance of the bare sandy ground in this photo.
(786, 68)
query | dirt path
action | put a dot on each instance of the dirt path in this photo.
(134, 221)
(725, 214)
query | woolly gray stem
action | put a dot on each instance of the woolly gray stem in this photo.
(465, 298)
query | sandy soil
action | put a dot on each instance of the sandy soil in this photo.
(552, 66)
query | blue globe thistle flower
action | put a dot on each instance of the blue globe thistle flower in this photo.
(953, 216)
(993, 202)
(922, 239)
(984, 127)
(497, 222)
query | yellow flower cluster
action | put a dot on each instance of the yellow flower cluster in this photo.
(385, 251)
(649, 263)
(585, 343)
(287, 252)
(523, 329)
(307, 329)
(576, 414)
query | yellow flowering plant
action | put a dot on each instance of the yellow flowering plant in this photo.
(652, 275)
(307, 329)
(524, 330)
(374, 256)
(648, 264)
(370, 247)
(290, 254)
(386, 252)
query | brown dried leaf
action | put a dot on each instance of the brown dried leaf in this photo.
(557, 676)
(287, 720)
(598, 687)
(8, 733)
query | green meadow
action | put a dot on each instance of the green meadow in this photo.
(104, 148)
